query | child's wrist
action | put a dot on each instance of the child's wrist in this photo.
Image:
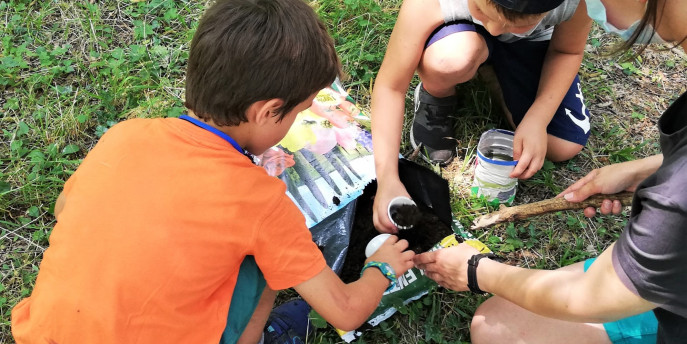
(386, 270)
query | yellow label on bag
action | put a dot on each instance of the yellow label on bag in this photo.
(451, 240)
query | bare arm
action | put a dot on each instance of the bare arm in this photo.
(347, 306)
(612, 179)
(561, 64)
(672, 25)
(595, 296)
(416, 20)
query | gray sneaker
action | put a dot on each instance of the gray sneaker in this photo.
(433, 126)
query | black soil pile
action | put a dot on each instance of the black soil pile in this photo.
(426, 233)
(405, 215)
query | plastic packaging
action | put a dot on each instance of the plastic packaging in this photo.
(493, 166)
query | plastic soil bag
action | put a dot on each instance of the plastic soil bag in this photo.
(436, 229)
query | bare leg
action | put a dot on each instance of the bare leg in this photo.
(500, 321)
(253, 331)
(561, 150)
(451, 60)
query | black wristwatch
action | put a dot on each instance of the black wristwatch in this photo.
(472, 271)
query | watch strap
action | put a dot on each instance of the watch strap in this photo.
(473, 262)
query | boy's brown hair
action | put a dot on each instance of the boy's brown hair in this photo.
(245, 51)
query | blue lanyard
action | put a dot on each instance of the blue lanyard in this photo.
(214, 131)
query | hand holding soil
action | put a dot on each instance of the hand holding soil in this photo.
(395, 253)
(385, 192)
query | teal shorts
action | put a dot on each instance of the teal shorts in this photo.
(637, 329)
(250, 284)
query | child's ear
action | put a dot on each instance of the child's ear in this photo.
(264, 111)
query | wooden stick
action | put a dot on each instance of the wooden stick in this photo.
(415, 153)
(546, 206)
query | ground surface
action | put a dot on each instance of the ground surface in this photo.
(71, 69)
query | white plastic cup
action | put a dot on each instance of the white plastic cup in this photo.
(375, 243)
(398, 201)
(494, 164)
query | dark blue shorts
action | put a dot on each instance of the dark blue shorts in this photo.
(518, 67)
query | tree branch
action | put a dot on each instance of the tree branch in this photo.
(524, 211)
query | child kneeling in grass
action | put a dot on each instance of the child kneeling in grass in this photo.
(165, 218)
(535, 48)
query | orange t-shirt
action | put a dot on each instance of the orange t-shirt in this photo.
(157, 220)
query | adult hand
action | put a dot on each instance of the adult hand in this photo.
(607, 180)
(447, 266)
(394, 253)
(386, 191)
(529, 148)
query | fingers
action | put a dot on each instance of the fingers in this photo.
(576, 185)
(383, 224)
(401, 245)
(581, 189)
(406, 261)
(589, 212)
(582, 193)
(517, 147)
(608, 207)
(408, 256)
(535, 165)
(523, 161)
(520, 167)
(617, 207)
(392, 239)
(571, 188)
(421, 260)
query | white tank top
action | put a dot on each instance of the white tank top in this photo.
(453, 10)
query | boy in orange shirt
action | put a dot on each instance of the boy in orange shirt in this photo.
(165, 217)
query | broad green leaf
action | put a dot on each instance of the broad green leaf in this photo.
(69, 149)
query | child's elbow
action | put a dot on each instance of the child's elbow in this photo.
(347, 323)
(350, 316)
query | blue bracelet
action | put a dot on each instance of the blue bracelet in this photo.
(386, 270)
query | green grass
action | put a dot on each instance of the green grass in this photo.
(69, 70)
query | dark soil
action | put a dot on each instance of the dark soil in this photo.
(426, 233)
(405, 215)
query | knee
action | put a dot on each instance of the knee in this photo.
(458, 69)
(455, 58)
(561, 150)
(484, 326)
(478, 328)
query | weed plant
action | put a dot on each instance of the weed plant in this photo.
(69, 70)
